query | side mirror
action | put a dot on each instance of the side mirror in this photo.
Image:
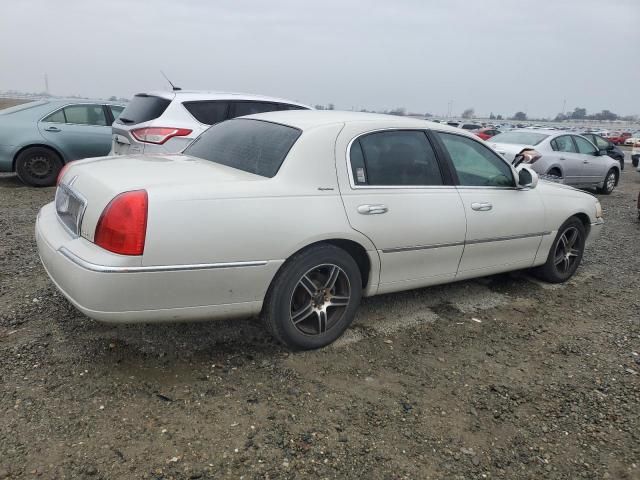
(527, 178)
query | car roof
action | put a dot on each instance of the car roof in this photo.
(308, 119)
(187, 95)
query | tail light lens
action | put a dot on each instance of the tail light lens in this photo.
(62, 172)
(158, 135)
(122, 227)
(528, 156)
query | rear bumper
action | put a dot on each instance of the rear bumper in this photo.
(113, 288)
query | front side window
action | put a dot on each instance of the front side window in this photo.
(585, 146)
(208, 112)
(398, 158)
(85, 115)
(475, 164)
(238, 109)
(253, 146)
(563, 144)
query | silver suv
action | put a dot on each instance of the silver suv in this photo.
(166, 122)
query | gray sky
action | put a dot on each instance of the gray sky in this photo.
(493, 55)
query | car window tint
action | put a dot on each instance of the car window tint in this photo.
(116, 110)
(475, 164)
(286, 106)
(563, 144)
(208, 112)
(56, 117)
(584, 146)
(251, 145)
(143, 108)
(85, 115)
(396, 158)
(601, 143)
(238, 109)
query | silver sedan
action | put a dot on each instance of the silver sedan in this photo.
(567, 157)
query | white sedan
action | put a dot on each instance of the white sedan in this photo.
(295, 216)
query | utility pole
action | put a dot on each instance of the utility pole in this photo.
(46, 84)
(564, 106)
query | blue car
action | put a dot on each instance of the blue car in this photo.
(38, 138)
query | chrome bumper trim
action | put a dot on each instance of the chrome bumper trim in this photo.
(93, 267)
(468, 242)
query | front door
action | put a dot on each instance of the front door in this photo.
(594, 166)
(80, 131)
(395, 193)
(504, 224)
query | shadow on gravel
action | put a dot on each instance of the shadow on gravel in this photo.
(11, 181)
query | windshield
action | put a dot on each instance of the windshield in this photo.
(519, 138)
(254, 146)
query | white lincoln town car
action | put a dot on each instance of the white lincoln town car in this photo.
(295, 216)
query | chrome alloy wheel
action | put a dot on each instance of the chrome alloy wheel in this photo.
(611, 182)
(319, 299)
(567, 250)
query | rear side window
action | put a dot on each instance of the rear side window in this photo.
(143, 108)
(238, 109)
(397, 158)
(563, 144)
(251, 145)
(286, 106)
(208, 112)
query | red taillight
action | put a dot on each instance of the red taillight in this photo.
(122, 227)
(158, 135)
(63, 170)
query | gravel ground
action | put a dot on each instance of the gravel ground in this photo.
(503, 377)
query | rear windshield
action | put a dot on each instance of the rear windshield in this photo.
(254, 146)
(519, 138)
(143, 108)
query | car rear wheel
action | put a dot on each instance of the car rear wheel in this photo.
(609, 182)
(38, 166)
(565, 254)
(313, 298)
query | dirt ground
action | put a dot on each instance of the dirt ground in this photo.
(504, 377)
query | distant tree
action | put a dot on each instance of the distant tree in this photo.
(499, 117)
(469, 113)
(492, 116)
(428, 115)
(605, 115)
(561, 117)
(319, 107)
(579, 113)
(520, 116)
(331, 106)
(400, 111)
(113, 98)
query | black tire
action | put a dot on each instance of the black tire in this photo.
(609, 183)
(561, 265)
(290, 297)
(38, 166)
(634, 160)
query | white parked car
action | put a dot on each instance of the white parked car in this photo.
(296, 216)
(633, 140)
(166, 122)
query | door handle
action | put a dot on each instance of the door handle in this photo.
(52, 129)
(562, 158)
(481, 206)
(585, 161)
(372, 209)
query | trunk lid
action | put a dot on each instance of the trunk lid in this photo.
(509, 150)
(97, 181)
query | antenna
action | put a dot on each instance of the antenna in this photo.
(175, 89)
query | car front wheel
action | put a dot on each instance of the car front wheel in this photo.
(565, 254)
(609, 182)
(38, 166)
(313, 298)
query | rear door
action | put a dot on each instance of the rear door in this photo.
(399, 195)
(504, 224)
(80, 130)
